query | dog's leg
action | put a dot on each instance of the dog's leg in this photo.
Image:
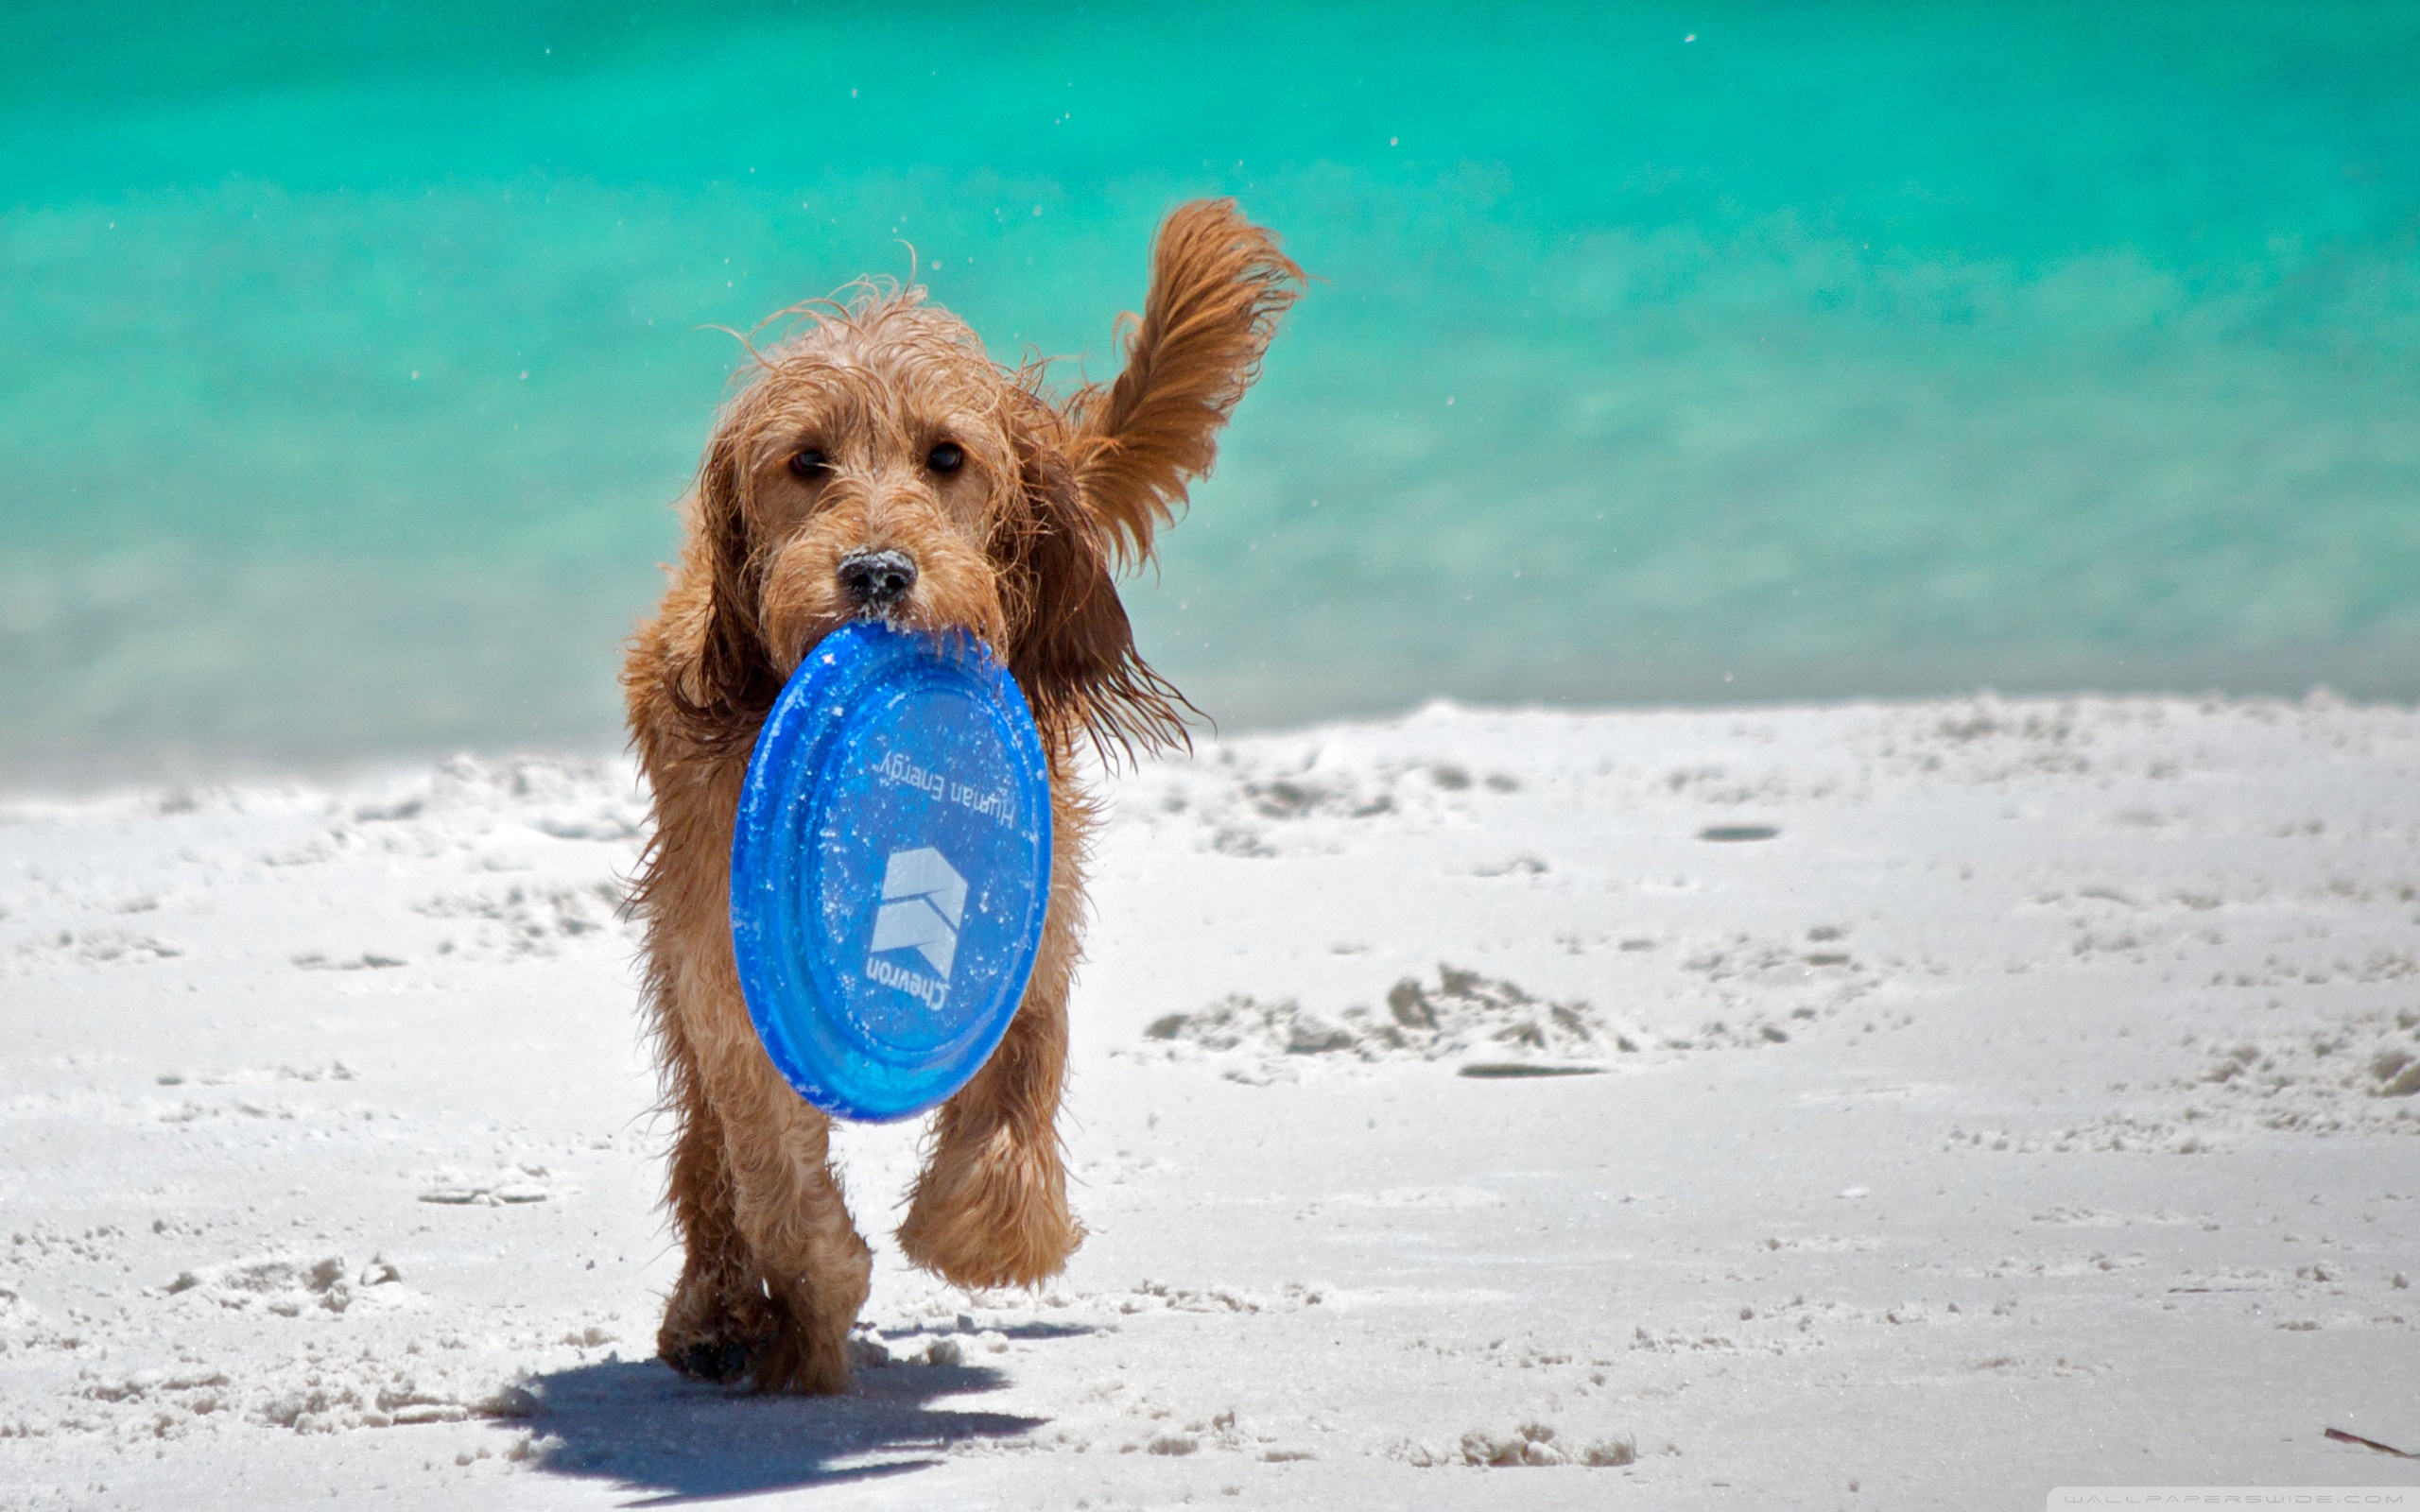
(775, 1272)
(990, 1208)
(809, 1267)
(718, 1322)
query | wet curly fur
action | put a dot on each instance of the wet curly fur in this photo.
(881, 427)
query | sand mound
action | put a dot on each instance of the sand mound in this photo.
(1461, 1014)
(1492, 1027)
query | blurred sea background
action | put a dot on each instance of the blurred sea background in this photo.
(352, 356)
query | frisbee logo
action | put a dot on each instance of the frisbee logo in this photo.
(923, 900)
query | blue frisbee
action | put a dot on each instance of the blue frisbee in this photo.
(889, 869)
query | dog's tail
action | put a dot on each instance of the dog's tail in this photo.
(1219, 285)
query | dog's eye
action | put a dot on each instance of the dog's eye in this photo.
(809, 463)
(945, 457)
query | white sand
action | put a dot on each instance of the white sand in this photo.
(2023, 1114)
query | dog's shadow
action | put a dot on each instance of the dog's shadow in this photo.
(641, 1425)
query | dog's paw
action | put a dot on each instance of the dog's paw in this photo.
(781, 1356)
(992, 1214)
(804, 1360)
(717, 1325)
(720, 1361)
(769, 1343)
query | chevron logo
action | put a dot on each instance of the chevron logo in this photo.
(923, 900)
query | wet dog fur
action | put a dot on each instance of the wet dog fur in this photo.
(876, 462)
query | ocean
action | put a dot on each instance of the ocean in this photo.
(351, 358)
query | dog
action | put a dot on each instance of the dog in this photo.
(877, 463)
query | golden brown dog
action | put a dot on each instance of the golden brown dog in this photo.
(877, 463)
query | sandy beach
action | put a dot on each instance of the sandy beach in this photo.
(1894, 1106)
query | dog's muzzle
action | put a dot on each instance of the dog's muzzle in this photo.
(876, 581)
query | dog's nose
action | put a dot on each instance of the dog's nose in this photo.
(877, 579)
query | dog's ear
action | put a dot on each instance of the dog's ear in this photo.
(726, 682)
(1071, 647)
(1219, 284)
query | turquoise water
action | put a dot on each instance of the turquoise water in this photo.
(349, 361)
